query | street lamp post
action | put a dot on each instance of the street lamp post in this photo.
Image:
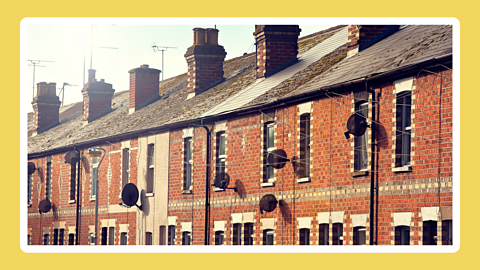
(96, 152)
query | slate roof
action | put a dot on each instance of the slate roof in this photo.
(409, 45)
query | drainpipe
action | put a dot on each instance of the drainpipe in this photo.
(372, 162)
(77, 231)
(207, 186)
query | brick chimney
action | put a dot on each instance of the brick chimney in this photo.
(277, 47)
(45, 107)
(144, 87)
(97, 97)
(205, 61)
(361, 37)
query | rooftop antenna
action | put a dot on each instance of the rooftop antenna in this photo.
(162, 49)
(91, 53)
(62, 92)
(35, 64)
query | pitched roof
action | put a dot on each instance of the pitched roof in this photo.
(321, 63)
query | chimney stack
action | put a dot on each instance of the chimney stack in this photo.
(205, 61)
(277, 47)
(361, 37)
(46, 107)
(144, 87)
(97, 97)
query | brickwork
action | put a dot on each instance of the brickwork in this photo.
(276, 47)
(97, 98)
(144, 86)
(46, 107)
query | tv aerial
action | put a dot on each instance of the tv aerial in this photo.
(62, 92)
(161, 49)
(222, 180)
(357, 124)
(31, 168)
(35, 63)
(44, 206)
(130, 196)
(268, 203)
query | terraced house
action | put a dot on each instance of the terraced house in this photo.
(342, 137)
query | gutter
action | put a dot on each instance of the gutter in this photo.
(303, 97)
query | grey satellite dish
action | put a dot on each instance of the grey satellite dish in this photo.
(277, 158)
(44, 206)
(130, 195)
(222, 180)
(356, 125)
(267, 203)
(31, 168)
(72, 157)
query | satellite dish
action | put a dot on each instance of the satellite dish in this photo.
(44, 206)
(31, 168)
(357, 124)
(72, 157)
(222, 180)
(130, 195)
(267, 203)
(277, 158)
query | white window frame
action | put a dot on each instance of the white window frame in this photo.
(93, 186)
(125, 166)
(30, 184)
(306, 145)
(150, 169)
(270, 177)
(48, 181)
(188, 178)
(361, 142)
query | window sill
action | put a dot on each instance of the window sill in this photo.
(149, 194)
(30, 205)
(359, 173)
(71, 201)
(216, 189)
(406, 168)
(268, 184)
(92, 198)
(186, 192)
(303, 180)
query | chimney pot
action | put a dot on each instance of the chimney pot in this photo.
(212, 36)
(91, 75)
(198, 36)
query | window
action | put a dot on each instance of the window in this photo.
(123, 239)
(188, 163)
(186, 238)
(221, 152)
(92, 238)
(237, 234)
(104, 235)
(304, 236)
(28, 239)
(323, 234)
(248, 234)
(429, 232)
(359, 236)
(71, 239)
(55, 236)
(125, 166)
(402, 235)
(46, 239)
(111, 236)
(163, 238)
(29, 194)
(269, 146)
(403, 129)
(61, 236)
(150, 167)
(219, 238)
(94, 177)
(304, 167)
(171, 235)
(337, 234)
(447, 232)
(73, 168)
(148, 239)
(361, 142)
(268, 237)
(48, 182)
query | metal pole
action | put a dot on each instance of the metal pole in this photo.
(33, 93)
(207, 187)
(77, 230)
(162, 64)
(96, 195)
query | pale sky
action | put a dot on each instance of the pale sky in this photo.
(67, 43)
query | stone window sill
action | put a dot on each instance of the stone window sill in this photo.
(359, 173)
(303, 180)
(268, 184)
(71, 201)
(149, 194)
(218, 189)
(406, 168)
(186, 192)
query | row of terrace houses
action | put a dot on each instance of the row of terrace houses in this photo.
(342, 137)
